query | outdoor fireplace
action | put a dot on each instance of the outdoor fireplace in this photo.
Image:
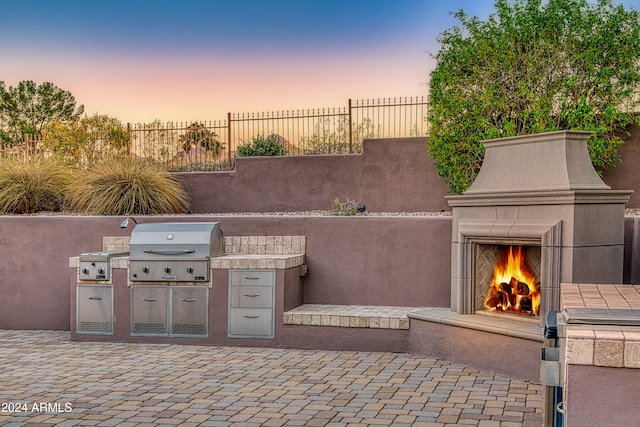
(541, 194)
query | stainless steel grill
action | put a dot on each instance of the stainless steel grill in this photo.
(174, 252)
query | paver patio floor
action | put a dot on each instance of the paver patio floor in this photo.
(45, 379)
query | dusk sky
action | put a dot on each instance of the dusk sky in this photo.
(140, 60)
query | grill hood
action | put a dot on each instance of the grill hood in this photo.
(182, 240)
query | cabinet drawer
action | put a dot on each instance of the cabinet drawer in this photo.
(251, 322)
(251, 296)
(252, 277)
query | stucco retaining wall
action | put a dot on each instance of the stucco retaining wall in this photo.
(392, 175)
(368, 260)
(625, 176)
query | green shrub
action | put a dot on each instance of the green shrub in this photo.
(261, 146)
(346, 208)
(127, 187)
(533, 67)
(28, 187)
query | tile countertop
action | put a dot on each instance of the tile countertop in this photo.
(228, 261)
(603, 342)
(252, 261)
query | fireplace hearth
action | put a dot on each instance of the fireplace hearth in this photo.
(537, 191)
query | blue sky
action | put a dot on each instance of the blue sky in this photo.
(141, 60)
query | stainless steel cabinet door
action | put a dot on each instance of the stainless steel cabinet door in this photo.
(189, 311)
(94, 309)
(149, 309)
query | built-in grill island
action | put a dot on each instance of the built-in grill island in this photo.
(189, 281)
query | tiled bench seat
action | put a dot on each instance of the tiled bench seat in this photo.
(349, 316)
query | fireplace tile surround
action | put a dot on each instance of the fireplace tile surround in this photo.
(539, 190)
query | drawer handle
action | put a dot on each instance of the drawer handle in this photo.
(96, 298)
(251, 317)
(149, 299)
(251, 277)
(251, 295)
(189, 299)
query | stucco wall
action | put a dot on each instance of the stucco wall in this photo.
(600, 396)
(625, 176)
(351, 260)
(390, 176)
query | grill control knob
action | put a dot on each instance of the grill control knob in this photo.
(100, 270)
(85, 270)
(167, 269)
(145, 269)
(189, 269)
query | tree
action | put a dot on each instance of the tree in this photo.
(198, 135)
(533, 67)
(86, 141)
(28, 107)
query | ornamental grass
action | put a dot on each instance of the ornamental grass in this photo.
(127, 187)
(32, 186)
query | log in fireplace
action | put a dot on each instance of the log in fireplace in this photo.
(540, 192)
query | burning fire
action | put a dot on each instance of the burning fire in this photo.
(513, 287)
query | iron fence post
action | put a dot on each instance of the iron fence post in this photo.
(229, 140)
(129, 153)
(26, 146)
(350, 129)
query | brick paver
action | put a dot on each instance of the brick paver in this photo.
(45, 379)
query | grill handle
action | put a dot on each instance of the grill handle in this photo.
(96, 298)
(161, 252)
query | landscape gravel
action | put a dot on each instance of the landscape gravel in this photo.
(629, 212)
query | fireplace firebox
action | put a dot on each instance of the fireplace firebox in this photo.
(507, 279)
(541, 193)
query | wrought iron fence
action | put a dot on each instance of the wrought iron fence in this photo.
(28, 150)
(213, 145)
